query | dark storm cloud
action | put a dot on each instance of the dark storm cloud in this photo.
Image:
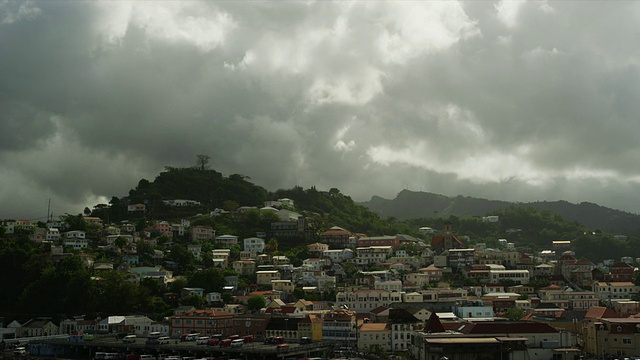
(509, 100)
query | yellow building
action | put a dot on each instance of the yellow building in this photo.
(311, 326)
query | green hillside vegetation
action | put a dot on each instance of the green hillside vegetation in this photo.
(410, 204)
(34, 285)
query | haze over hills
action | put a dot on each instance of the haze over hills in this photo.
(414, 204)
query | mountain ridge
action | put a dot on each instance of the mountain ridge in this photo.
(417, 204)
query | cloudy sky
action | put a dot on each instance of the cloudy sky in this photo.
(506, 100)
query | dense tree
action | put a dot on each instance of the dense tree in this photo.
(211, 280)
(272, 246)
(193, 300)
(182, 256)
(74, 222)
(514, 313)
(256, 303)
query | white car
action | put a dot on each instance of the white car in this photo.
(21, 350)
(202, 340)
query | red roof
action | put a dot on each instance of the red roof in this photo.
(506, 327)
(599, 312)
(336, 232)
(438, 239)
(207, 313)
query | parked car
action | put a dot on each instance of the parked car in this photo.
(213, 342)
(225, 343)
(247, 339)
(305, 340)
(20, 351)
(281, 347)
(237, 343)
(202, 340)
(121, 335)
(274, 340)
(129, 339)
(190, 337)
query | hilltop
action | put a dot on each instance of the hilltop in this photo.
(411, 204)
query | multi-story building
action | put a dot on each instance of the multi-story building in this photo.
(254, 244)
(220, 257)
(338, 255)
(620, 272)
(421, 280)
(291, 224)
(402, 324)
(612, 337)
(76, 243)
(339, 238)
(313, 264)
(615, 290)
(372, 336)
(162, 228)
(518, 276)
(459, 258)
(340, 326)
(204, 322)
(392, 241)
(226, 241)
(249, 325)
(317, 248)
(372, 254)
(363, 301)
(284, 286)
(434, 272)
(389, 285)
(75, 234)
(568, 299)
(244, 267)
(311, 327)
(473, 309)
(202, 233)
(264, 277)
(53, 234)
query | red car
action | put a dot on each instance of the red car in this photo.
(213, 342)
(225, 343)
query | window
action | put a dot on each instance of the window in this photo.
(626, 341)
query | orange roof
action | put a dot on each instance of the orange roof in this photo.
(599, 312)
(373, 327)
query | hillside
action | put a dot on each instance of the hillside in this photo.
(410, 204)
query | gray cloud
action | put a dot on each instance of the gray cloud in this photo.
(509, 100)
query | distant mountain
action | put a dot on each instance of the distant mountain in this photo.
(412, 205)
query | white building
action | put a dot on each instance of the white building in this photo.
(391, 285)
(366, 300)
(372, 254)
(254, 244)
(76, 244)
(338, 255)
(519, 276)
(75, 234)
(615, 290)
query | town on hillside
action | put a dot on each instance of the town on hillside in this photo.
(427, 297)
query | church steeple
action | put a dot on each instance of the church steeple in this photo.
(448, 236)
